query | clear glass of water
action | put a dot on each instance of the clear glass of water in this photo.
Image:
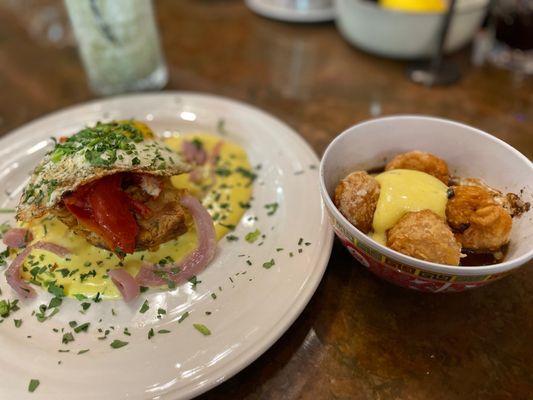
(119, 44)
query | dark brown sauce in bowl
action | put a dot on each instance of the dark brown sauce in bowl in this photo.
(479, 259)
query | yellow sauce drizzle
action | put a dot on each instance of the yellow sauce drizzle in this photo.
(402, 191)
(226, 201)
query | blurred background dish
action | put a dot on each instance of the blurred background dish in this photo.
(407, 29)
(294, 10)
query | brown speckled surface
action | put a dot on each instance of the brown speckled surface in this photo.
(359, 338)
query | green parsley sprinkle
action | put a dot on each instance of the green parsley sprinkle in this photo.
(251, 237)
(183, 316)
(67, 338)
(117, 344)
(34, 384)
(144, 307)
(272, 208)
(204, 330)
(82, 328)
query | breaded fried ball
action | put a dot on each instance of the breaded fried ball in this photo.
(356, 197)
(481, 223)
(426, 236)
(421, 161)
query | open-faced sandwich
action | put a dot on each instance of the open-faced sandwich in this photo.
(112, 202)
(111, 185)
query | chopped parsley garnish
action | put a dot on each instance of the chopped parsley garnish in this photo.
(183, 316)
(151, 333)
(85, 306)
(82, 328)
(144, 307)
(163, 331)
(204, 330)
(229, 226)
(214, 296)
(18, 323)
(252, 236)
(3, 255)
(88, 274)
(269, 264)
(232, 238)
(143, 289)
(7, 307)
(34, 384)
(194, 281)
(83, 351)
(246, 173)
(244, 205)
(41, 315)
(63, 271)
(223, 171)
(117, 344)
(56, 290)
(55, 302)
(272, 208)
(4, 227)
(100, 144)
(67, 338)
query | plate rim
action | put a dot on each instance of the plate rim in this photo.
(311, 282)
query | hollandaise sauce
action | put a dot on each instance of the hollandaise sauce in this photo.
(403, 191)
(223, 183)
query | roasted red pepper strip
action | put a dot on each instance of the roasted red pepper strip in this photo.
(104, 208)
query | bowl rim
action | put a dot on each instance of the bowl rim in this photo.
(461, 8)
(397, 256)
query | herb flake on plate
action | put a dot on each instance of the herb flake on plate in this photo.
(204, 330)
(117, 344)
(34, 384)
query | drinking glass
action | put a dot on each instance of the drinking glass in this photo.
(119, 44)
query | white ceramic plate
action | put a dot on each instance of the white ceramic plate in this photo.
(250, 312)
(287, 11)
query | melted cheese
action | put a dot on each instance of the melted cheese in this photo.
(402, 191)
(85, 271)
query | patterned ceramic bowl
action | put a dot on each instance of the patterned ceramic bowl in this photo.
(469, 152)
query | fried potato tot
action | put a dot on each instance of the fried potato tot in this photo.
(356, 197)
(421, 161)
(426, 236)
(481, 224)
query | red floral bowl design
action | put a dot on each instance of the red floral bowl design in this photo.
(370, 144)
